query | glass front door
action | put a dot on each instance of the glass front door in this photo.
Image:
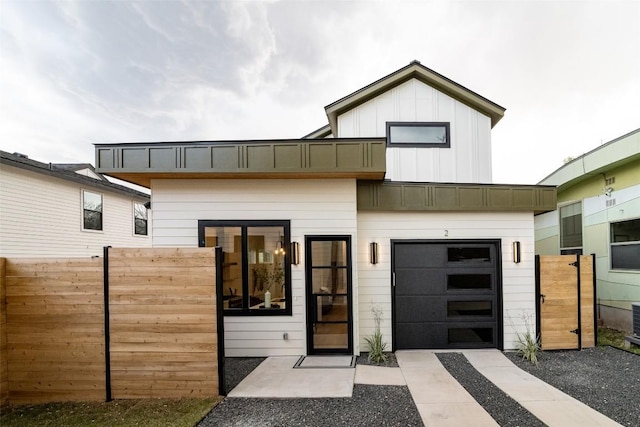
(328, 284)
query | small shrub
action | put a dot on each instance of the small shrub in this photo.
(528, 345)
(375, 342)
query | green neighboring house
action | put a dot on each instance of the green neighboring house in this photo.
(599, 213)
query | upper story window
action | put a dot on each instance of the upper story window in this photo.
(91, 211)
(140, 219)
(571, 229)
(625, 245)
(418, 134)
(256, 267)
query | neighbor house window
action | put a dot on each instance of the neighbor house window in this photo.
(571, 229)
(418, 134)
(91, 210)
(256, 268)
(139, 219)
(625, 245)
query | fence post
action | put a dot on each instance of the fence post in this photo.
(107, 349)
(220, 319)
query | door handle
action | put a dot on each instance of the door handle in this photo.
(542, 298)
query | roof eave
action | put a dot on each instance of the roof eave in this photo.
(423, 74)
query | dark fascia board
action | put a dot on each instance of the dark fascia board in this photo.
(50, 169)
(320, 133)
(454, 197)
(139, 163)
(423, 74)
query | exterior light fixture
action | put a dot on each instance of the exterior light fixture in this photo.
(373, 253)
(295, 253)
(516, 252)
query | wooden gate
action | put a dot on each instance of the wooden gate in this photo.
(565, 286)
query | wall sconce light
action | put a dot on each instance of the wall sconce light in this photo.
(516, 252)
(295, 253)
(373, 253)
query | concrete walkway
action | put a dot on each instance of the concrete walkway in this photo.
(440, 399)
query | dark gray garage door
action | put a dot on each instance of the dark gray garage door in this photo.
(446, 294)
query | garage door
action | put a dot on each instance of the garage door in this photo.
(446, 294)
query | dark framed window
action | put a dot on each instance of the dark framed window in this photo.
(625, 245)
(140, 219)
(91, 211)
(256, 268)
(418, 134)
(571, 229)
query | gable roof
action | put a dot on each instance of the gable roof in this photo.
(414, 70)
(67, 172)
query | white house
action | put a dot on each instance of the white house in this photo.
(390, 205)
(66, 210)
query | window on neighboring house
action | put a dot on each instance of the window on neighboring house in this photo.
(571, 229)
(418, 134)
(625, 245)
(91, 210)
(256, 268)
(139, 219)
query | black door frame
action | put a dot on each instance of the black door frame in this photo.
(499, 302)
(310, 304)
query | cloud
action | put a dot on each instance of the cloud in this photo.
(80, 72)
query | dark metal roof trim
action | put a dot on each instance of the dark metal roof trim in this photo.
(411, 196)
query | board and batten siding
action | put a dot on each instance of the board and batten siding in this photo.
(467, 160)
(314, 207)
(41, 216)
(518, 280)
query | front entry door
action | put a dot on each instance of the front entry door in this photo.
(328, 285)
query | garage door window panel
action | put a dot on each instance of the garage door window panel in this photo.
(469, 309)
(469, 282)
(469, 254)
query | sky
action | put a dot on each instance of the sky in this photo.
(75, 73)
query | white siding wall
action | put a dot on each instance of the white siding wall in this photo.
(467, 160)
(518, 280)
(315, 207)
(41, 216)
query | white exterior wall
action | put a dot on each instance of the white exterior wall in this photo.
(468, 160)
(314, 207)
(518, 280)
(41, 216)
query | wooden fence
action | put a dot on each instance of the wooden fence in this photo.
(566, 301)
(136, 323)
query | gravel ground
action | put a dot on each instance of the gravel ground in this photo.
(506, 411)
(605, 378)
(369, 406)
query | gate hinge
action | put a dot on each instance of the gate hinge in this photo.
(575, 331)
(574, 263)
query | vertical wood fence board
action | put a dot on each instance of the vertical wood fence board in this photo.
(559, 311)
(55, 322)
(163, 330)
(4, 367)
(587, 299)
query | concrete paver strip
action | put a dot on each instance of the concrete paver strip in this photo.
(379, 375)
(440, 399)
(549, 404)
(275, 377)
